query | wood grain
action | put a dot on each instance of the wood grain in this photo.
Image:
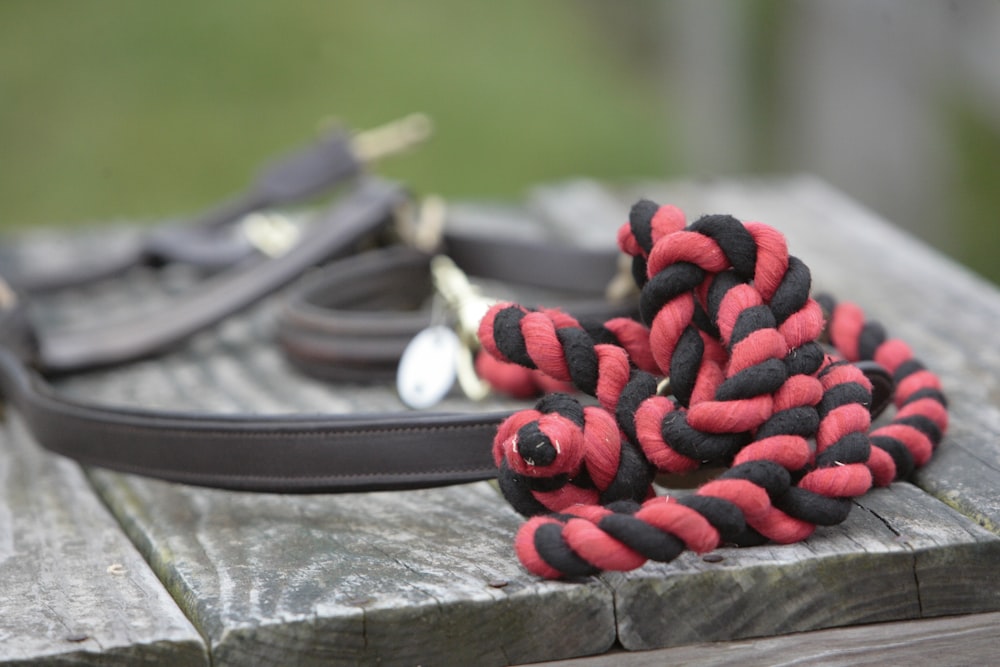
(74, 589)
(389, 578)
(381, 578)
(429, 576)
(901, 554)
(956, 640)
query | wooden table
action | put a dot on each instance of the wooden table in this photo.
(104, 568)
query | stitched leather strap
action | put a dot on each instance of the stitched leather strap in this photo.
(289, 454)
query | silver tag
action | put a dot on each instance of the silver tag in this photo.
(427, 368)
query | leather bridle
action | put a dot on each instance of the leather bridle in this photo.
(290, 453)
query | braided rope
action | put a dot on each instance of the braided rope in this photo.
(731, 323)
(524, 379)
(921, 418)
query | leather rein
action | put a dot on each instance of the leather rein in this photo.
(290, 453)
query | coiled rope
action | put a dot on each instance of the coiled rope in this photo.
(727, 316)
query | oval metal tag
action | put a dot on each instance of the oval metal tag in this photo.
(427, 369)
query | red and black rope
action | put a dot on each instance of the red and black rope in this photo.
(732, 324)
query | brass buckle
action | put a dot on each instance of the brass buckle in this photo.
(271, 234)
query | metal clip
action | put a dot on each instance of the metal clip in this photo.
(438, 356)
(463, 298)
(469, 306)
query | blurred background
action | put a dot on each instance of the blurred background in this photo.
(123, 110)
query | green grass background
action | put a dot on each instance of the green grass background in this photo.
(127, 109)
(140, 110)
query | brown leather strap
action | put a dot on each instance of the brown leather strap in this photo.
(353, 217)
(351, 320)
(207, 240)
(282, 453)
(289, 454)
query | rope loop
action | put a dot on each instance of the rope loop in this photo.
(561, 454)
(728, 317)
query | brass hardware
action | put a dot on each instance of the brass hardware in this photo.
(271, 234)
(392, 138)
(463, 298)
(8, 297)
(422, 227)
(622, 285)
(469, 306)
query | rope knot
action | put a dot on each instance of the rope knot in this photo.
(729, 319)
(561, 453)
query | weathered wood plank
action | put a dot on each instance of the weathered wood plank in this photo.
(391, 578)
(955, 640)
(74, 589)
(954, 558)
(386, 578)
(901, 554)
(406, 577)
